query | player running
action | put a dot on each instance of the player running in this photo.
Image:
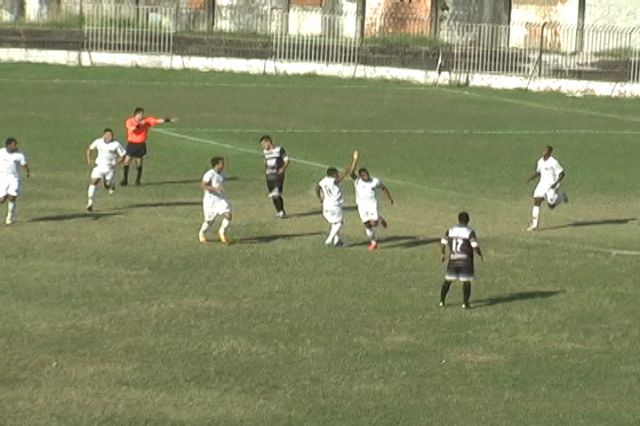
(462, 243)
(11, 160)
(276, 162)
(329, 193)
(137, 131)
(110, 154)
(550, 173)
(215, 202)
(366, 187)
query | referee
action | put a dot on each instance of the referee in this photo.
(276, 162)
(137, 127)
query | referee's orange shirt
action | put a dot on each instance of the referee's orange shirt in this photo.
(137, 131)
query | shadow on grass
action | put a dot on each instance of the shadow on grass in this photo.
(621, 221)
(172, 182)
(400, 241)
(73, 216)
(262, 239)
(162, 204)
(516, 297)
(318, 212)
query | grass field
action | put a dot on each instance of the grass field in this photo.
(120, 317)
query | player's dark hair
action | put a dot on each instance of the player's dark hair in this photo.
(463, 217)
(549, 148)
(138, 110)
(332, 171)
(107, 130)
(9, 141)
(266, 138)
(216, 160)
(363, 170)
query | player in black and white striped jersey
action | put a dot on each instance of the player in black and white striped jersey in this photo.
(276, 162)
(462, 243)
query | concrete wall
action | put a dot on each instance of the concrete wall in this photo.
(553, 11)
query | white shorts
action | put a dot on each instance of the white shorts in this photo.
(9, 185)
(102, 172)
(546, 192)
(213, 207)
(368, 211)
(333, 214)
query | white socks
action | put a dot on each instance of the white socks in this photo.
(223, 226)
(11, 211)
(91, 193)
(371, 234)
(535, 214)
(333, 237)
(204, 228)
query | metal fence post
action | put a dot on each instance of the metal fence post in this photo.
(541, 51)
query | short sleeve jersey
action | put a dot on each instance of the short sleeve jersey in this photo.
(274, 159)
(216, 180)
(549, 170)
(137, 131)
(461, 240)
(10, 163)
(331, 192)
(366, 190)
(108, 152)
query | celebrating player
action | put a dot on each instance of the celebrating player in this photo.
(367, 203)
(110, 154)
(550, 173)
(461, 241)
(10, 162)
(330, 194)
(276, 162)
(137, 130)
(215, 202)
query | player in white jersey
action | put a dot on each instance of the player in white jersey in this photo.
(110, 154)
(215, 202)
(462, 243)
(11, 160)
(366, 187)
(330, 195)
(550, 173)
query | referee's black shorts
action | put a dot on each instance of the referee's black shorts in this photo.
(275, 182)
(137, 150)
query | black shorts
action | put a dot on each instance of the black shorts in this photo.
(137, 150)
(275, 182)
(459, 270)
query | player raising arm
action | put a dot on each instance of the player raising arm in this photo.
(11, 160)
(330, 195)
(366, 188)
(110, 154)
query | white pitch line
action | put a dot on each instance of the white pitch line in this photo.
(613, 252)
(420, 131)
(318, 165)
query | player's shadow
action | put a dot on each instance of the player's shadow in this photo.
(172, 182)
(73, 216)
(318, 212)
(162, 204)
(263, 239)
(516, 297)
(621, 221)
(400, 241)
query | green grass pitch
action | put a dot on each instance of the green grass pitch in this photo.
(120, 316)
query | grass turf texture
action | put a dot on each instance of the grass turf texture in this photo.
(121, 317)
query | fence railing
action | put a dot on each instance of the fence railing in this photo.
(299, 34)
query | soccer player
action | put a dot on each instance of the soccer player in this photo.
(11, 160)
(137, 130)
(276, 162)
(110, 154)
(462, 243)
(367, 203)
(330, 195)
(215, 202)
(550, 173)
